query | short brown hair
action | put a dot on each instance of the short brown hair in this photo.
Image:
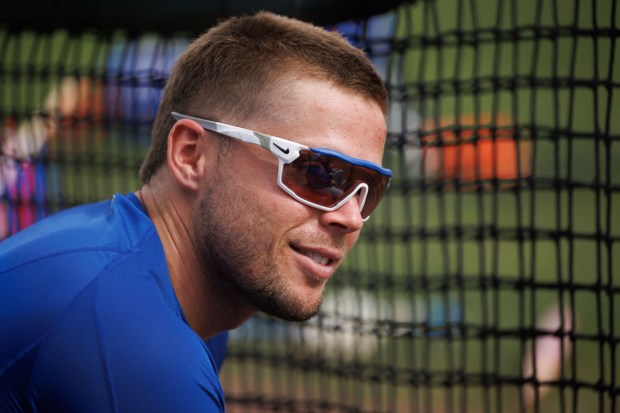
(233, 68)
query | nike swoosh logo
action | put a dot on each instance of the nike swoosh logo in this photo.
(285, 151)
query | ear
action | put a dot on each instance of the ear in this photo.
(190, 151)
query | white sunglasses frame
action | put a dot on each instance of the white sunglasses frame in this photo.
(287, 151)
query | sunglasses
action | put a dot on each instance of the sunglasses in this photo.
(321, 178)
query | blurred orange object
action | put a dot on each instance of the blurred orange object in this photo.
(474, 150)
(76, 97)
(77, 106)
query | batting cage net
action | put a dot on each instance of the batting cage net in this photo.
(489, 278)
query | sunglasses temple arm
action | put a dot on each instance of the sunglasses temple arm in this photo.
(234, 132)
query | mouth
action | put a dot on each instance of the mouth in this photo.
(315, 256)
(321, 256)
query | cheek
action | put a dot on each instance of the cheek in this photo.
(248, 211)
(256, 178)
(255, 190)
(274, 204)
(351, 240)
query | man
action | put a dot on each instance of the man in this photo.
(263, 165)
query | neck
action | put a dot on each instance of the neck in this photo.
(207, 307)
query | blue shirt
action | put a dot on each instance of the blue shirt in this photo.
(89, 321)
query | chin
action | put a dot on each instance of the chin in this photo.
(289, 309)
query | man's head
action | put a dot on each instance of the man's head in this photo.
(259, 245)
(243, 67)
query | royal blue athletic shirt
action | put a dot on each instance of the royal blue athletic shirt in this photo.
(89, 321)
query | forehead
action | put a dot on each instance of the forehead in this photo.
(322, 115)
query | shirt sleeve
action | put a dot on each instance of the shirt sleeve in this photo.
(121, 350)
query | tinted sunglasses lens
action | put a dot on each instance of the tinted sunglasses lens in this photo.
(326, 180)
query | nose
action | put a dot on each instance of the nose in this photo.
(347, 218)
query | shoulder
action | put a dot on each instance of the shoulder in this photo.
(121, 347)
(45, 267)
(108, 228)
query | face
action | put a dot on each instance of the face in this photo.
(275, 253)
